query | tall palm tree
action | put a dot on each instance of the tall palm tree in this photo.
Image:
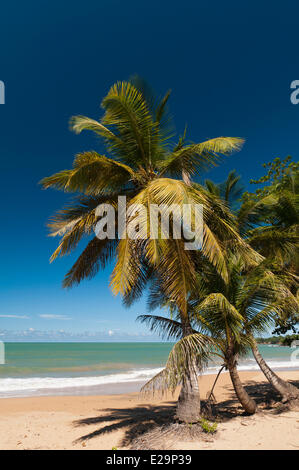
(142, 165)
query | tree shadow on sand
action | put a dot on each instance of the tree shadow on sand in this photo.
(135, 421)
(145, 420)
(264, 395)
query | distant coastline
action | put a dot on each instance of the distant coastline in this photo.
(279, 340)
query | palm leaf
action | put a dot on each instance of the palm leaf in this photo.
(127, 111)
(95, 256)
(92, 174)
(199, 157)
(189, 355)
(165, 327)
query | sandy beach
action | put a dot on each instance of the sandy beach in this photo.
(106, 421)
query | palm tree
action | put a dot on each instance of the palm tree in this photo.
(278, 302)
(259, 297)
(276, 237)
(269, 222)
(141, 166)
(188, 357)
(218, 313)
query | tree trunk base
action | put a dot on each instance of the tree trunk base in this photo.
(186, 415)
(288, 391)
(188, 406)
(291, 395)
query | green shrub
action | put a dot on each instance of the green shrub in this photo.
(209, 428)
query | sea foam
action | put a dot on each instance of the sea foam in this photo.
(13, 387)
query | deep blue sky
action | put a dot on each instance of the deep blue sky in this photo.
(229, 64)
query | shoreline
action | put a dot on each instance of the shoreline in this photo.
(106, 421)
(111, 387)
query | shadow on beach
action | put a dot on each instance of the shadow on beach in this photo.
(264, 395)
(136, 421)
(145, 420)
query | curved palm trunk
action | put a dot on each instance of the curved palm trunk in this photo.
(188, 405)
(285, 389)
(246, 401)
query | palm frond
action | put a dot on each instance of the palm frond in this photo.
(80, 123)
(165, 327)
(76, 220)
(189, 355)
(161, 109)
(127, 111)
(199, 157)
(92, 174)
(95, 256)
(221, 315)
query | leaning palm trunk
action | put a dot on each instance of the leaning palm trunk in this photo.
(246, 401)
(285, 389)
(188, 406)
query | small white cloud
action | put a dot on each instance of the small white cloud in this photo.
(110, 332)
(55, 317)
(23, 317)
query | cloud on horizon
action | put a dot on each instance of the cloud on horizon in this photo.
(23, 317)
(55, 317)
(67, 336)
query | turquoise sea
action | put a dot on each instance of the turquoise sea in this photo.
(93, 368)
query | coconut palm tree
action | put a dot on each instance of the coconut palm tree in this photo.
(274, 233)
(278, 302)
(260, 296)
(269, 222)
(187, 359)
(142, 165)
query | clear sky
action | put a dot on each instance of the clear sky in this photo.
(229, 65)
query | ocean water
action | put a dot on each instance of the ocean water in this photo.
(36, 369)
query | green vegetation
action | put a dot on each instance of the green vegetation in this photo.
(279, 340)
(287, 340)
(270, 340)
(207, 427)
